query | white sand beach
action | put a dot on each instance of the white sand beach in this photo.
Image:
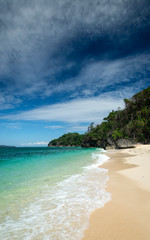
(127, 215)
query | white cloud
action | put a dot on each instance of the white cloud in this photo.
(69, 128)
(75, 111)
(54, 127)
(12, 125)
(8, 101)
(32, 30)
(98, 75)
(34, 143)
(77, 128)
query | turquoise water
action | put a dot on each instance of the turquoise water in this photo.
(45, 193)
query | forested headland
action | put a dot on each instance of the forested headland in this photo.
(120, 128)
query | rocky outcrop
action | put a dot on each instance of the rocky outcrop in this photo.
(120, 143)
(110, 144)
(125, 143)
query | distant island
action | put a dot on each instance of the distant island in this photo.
(4, 146)
(120, 129)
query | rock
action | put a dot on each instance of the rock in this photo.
(125, 143)
(110, 144)
(110, 147)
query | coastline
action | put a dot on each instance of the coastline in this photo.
(127, 215)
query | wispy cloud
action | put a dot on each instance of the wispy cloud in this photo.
(8, 101)
(100, 76)
(75, 111)
(12, 125)
(82, 43)
(77, 128)
(69, 62)
(54, 127)
(69, 127)
(34, 143)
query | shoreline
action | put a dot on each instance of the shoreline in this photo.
(127, 215)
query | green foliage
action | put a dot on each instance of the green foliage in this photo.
(69, 139)
(133, 122)
(116, 134)
(90, 128)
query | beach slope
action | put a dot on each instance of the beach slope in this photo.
(127, 215)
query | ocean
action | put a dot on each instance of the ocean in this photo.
(49, 193)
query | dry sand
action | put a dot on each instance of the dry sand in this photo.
(127, 215)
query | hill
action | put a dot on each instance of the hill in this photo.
(69, 139)
(4, 146)
(132, 124)
(121, 128)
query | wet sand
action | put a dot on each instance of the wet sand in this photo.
(127, 215)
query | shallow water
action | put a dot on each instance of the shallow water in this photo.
(49, 193)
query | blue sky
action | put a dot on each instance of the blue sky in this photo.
(65, 64)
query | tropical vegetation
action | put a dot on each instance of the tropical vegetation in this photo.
(69, 139)
(133, 122)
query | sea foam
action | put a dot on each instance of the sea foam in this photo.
(63, 211)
